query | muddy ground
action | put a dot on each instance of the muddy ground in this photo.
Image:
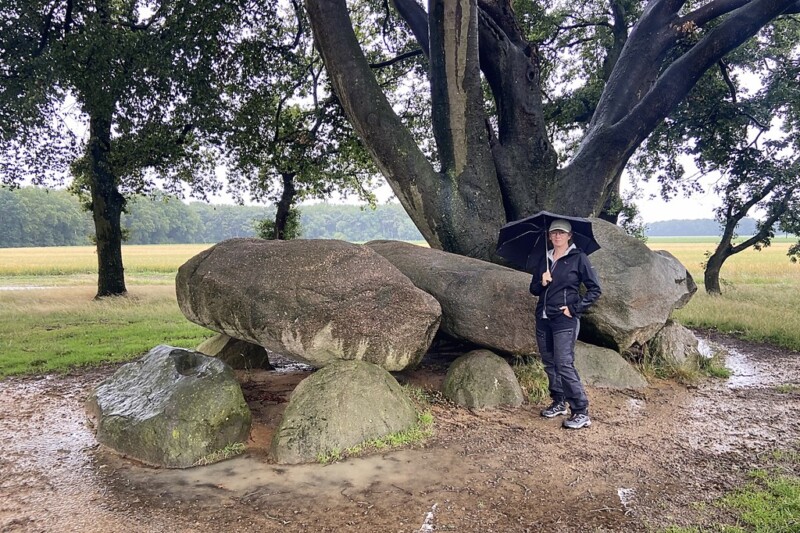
(651, 459)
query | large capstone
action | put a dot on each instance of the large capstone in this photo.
(482, 303)
(315, 301)
(173, 408)
(481, 379)
(640, 287)
(338, 407)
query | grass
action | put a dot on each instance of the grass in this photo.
(419, 432)
(760, 298)
(768, 503)
(29, 263)
(231, 450)
(61, 328)
(532, 379)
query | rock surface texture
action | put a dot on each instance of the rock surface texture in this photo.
(172, 408)
(481, 379)
(316, 301)
(337, 407)
(482, 303)
(641, 288)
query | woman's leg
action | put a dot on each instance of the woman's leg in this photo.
(564, 336)
(544, 340)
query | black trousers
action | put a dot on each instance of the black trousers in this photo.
(556, 338)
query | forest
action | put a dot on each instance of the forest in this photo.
(35, 216)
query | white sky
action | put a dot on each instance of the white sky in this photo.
(651, 206)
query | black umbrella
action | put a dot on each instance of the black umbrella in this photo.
(524, 242)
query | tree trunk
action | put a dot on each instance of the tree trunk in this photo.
(713, 267)
(107, 206)
(284, 206)
(493, 172)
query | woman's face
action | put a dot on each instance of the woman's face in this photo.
(559, 238)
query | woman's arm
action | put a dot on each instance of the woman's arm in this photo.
(593, 291)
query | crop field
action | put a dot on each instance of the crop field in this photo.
(49, 321)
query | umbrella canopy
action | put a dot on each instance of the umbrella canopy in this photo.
(524, 242)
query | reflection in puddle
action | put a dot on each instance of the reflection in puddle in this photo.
(626, 497)
(743, 372)
(635, 404)
(706, 349)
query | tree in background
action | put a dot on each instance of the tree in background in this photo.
(288, 139)
(141, 75)
(749, 137)
(496, 155)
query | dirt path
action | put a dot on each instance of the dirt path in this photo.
(646, 462)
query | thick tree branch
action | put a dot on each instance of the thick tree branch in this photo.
(679, 78)
(395, 152)
(712, 10)
(397, 59)
(619, 30)
(417, 19)
(766, 226)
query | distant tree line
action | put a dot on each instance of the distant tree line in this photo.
(696, 227)
(34, 216)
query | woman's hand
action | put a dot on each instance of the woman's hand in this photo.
(565, 310)
(546, 278)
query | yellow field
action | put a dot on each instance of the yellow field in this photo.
(760, 293)
(77, 260)
(770, 265)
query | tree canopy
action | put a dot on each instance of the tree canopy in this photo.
(287, 138)
(518, 124)
(142, 78)
(739, 122)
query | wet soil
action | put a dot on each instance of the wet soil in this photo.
(650, 460)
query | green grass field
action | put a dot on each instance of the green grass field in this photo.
(51, 323)
(760, 292)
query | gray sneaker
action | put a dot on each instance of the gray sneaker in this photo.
(577, 421)
(555, 409)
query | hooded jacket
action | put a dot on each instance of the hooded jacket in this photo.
(568, 272)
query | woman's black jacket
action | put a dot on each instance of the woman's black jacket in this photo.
(568, 272)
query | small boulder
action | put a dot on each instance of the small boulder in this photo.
(605, 368)
(481, 379)
(676, 346)
(171, 408)
(236, 353)
(337, 407)
(315, 301)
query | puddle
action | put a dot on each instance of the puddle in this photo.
(706, 349)
(747, 372)
(744, 373)
(635, 404)
(626, 497)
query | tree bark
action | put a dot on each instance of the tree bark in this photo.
(107, 206)
(284, 205)
(459, 209)
(711, 273)
(490, 177)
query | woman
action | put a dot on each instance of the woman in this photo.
(556, 283)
